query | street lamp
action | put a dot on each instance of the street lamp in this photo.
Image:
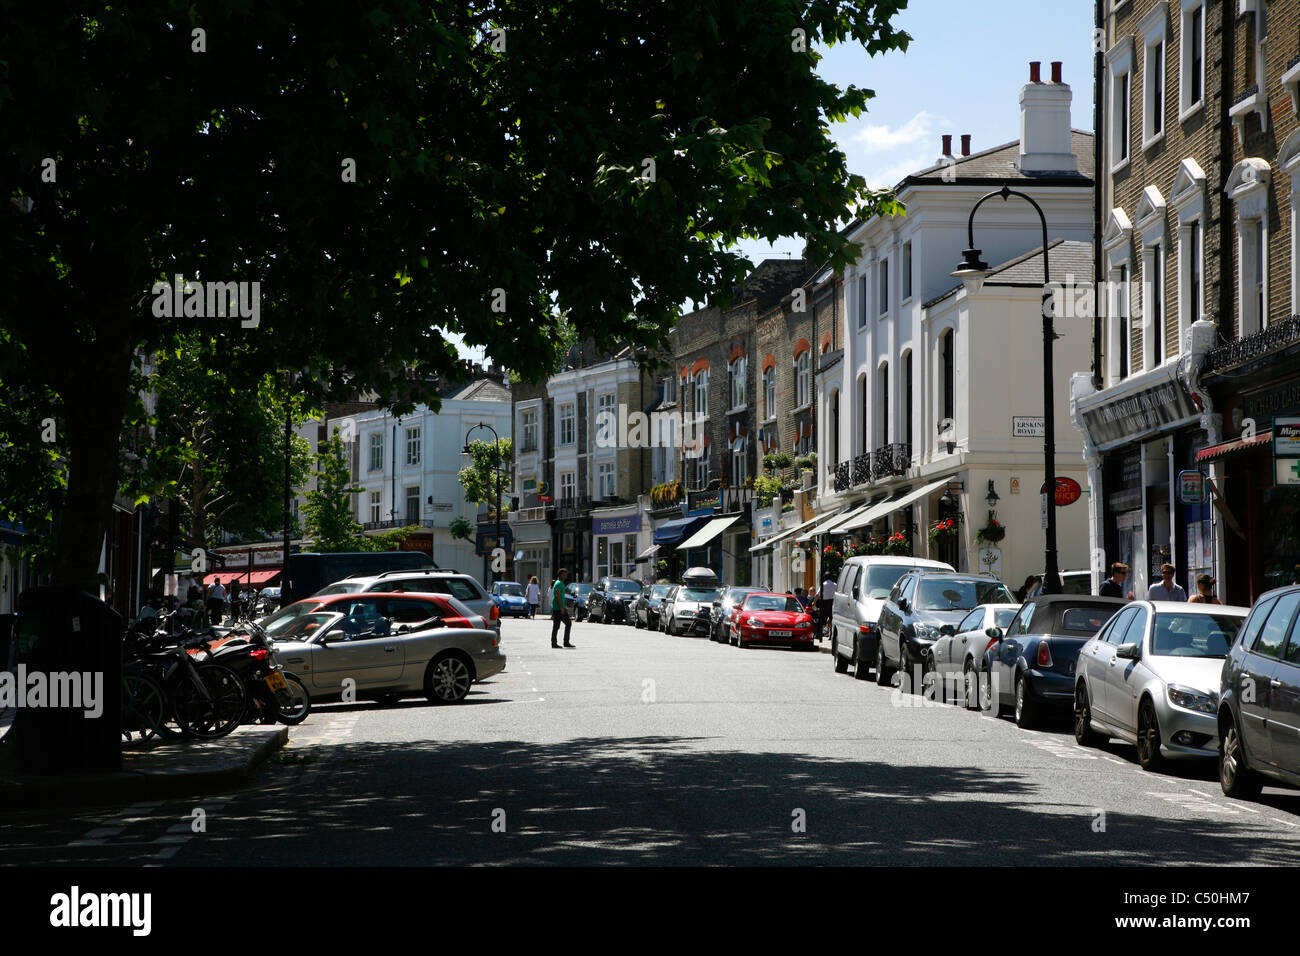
(973, 270)
(497, 445)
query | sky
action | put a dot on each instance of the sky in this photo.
(962, 73)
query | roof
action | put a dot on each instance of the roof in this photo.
(999, 164)
(484, 390)
(1066, 257)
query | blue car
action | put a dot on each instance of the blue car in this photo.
(510, 599)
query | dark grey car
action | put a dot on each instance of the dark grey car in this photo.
(1259, 698)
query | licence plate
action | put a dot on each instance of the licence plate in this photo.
(275, 681)
(780, 633)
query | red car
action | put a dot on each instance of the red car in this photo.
(770, 618)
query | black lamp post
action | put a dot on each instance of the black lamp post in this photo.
(497, 445)
(974, 268)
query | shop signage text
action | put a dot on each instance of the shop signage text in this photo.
(627, 524)
(1150, 409)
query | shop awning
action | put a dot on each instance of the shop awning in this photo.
(829, 521)
(670, 532)
(764, 545)
(1223, 449)
(708, 532)
(648, 553)
(243, 577)
(877, 512)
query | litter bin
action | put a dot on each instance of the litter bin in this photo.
(68, 677)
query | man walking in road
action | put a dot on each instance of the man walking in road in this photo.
(824, 607)
(559, 612)
(1166, 590)
(1114, 585)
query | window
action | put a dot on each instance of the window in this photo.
(1248, 187)
(1122, 323)
(1122, 118)
(1249, 77)
(883, 424)
(1188, 201)
(907, 271)
(413, 445)
(1153, 265)
(907, 399)
(864, 444)
(1117, 243)
(739, 461)
(605, 406)
(529, 430)
(413, 504)
(1192, 55)
(702, 392)
(568, 485)
(948, 381)
(374, 508)
(376, 451)
(670, 391)
(1153, 28)
(1270, 639)
(1119, 61)
(565, 414)
(862, 302)
(769, 392)
(803, 379)
(701, 471)
(884, 286)
(737, 372)
(605, 480)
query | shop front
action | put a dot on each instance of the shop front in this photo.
(533, 552)
(570, 543)
(614, 542)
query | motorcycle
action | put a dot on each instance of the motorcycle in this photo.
(273, 693)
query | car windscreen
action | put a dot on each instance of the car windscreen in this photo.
(881, 579)
(582, 590)
(1194, 635)
(659, 590)
(1085, 621)
(946, 594)
(696, 594)
(343, 587)
(275, 623)
(735, 596)
(307, 625)
(1003, 615)
(517, 590)
(624, 587)
(772, 603)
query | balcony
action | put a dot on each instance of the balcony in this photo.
(842, 472)
(396, 523)
(1275, 338)
(570, 508)
(892, 460)
(862, 468)
(725, 500)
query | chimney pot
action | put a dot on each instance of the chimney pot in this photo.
(1056, 71)
(965, 144)
(1034, 67)
(947, 144)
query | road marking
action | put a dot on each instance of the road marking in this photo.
(1206, 796)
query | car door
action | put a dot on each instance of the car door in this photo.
(950, 649)
(368, 657)
(1284, 707)
(903, 616)
(1123, 675)
(1007, 651)
(1097, 656)
(890, 620)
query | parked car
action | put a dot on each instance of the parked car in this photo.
(923, 606)
(724, 609)
(1259, 698)
(410, 609)
(510, 599)
(308, 572)
(347, 641)
(687, 609)
(1072, 582)
(961, 652)
(1151, 678)
(860, 591)
(765, 617)
(1031, 665)
(575, 596)
(462, 587)
(611, 600)
(648, 605)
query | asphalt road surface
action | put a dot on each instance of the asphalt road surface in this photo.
(640, 748)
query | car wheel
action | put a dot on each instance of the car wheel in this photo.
(861, 666)
(1148, 737)
(930, 686)
(1236, 779)
(971, 685)
(882, 672)
(668, 628)
(841, 665)
(448, 678)
(1026, 706)
(1084, 735)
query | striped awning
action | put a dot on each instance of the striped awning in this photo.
(1224, 449)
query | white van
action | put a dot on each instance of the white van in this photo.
(863, 585)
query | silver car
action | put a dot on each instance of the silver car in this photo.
(462, 587)
(860, 592)
(955, 658)
(1151, 678)
(364, 655)
(687, 609)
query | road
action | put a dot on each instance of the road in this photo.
(640, 748)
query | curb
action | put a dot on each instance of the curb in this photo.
(25, 793)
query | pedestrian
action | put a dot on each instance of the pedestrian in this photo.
(1166, 590)
(216, 601)
(1029, 589)
(1204, 591)
(828, 598)
(1114, 585)
(534, 596)
(235, 588)
(559, 611)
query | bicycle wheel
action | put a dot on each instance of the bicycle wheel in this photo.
(217, 709)
(144, 707)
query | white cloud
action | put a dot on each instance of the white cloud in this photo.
(887, 177)
(880, 137)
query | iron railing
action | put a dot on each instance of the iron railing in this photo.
(842, 474)
(862, 468)
(1275, 338)
(891, 460)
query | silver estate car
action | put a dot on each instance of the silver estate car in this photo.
(383, 660)
(1151, 678)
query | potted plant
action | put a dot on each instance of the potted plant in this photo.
(991, 533)
(897, 544)
(776, 459)
(943, 530)
(874, 545)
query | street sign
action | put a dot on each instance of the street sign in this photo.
(1027, 426)
(1286, 437)
(1067, 491)
(1042, 497)
(1288, 471)
(1191, 487)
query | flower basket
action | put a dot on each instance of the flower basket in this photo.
(992, 533)
(874, 546)
(945, 530)
(897, 544)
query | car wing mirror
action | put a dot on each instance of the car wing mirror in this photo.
(947, 630)
(994, 632)
(1129, 652)
(902, 605)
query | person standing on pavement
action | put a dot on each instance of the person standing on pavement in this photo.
(559, 611)
(1204, 591)
(534, 596)
(1166, 590)
(1114, 585)
(824, 609)
(216, 601)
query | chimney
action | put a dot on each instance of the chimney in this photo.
(965, 144)
(947, 144)
(1045, 144)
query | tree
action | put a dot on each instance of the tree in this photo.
(378, 176)
(480, 479)
(331, 504)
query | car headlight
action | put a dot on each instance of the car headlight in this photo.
(925, 631)
(1191, 699)
(753, 622)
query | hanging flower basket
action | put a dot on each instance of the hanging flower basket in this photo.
(993, 532)
(897, 544)
(945, 530)
(874, 545)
